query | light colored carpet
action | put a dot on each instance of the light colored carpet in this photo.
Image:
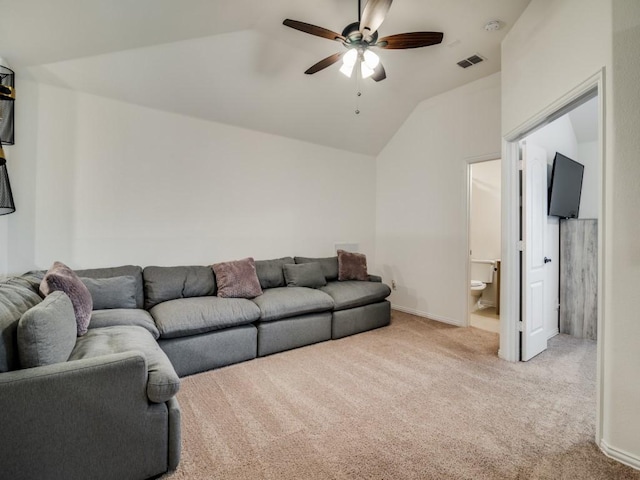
(415, 400)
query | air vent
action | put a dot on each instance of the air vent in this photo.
(472, 60)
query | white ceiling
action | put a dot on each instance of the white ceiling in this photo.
(234, 62)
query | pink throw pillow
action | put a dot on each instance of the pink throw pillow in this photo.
(237, 279)
(62, 278)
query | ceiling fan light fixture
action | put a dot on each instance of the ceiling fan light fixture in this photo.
(349, 61)
(366, 70)
(371, 59)
(347, 70)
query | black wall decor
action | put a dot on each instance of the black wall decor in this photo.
(6, 197)
(7, 97)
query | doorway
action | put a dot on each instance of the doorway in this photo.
(484, 226)
(512, 251)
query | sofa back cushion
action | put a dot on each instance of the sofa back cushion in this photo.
(123, 271)
(329, 266)
(17, 295)
(47, 332)
(270, 272)
(169, 283)
(114, 292)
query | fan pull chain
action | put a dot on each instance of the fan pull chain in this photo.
(358, 93)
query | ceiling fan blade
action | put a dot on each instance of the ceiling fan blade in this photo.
(379, 73)
(410, 40)
(373, 15)
(324, 63)
(313, 30)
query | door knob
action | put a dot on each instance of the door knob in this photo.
(547, 260)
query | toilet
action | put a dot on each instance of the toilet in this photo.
(481, 274)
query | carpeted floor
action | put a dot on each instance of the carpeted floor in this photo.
(415, 400)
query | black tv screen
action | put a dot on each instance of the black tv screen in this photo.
(566, 186)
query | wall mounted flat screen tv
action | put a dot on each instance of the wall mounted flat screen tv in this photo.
(566, 186)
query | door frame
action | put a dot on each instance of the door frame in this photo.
(470, 161)
(510, 287)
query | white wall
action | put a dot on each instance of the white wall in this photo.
(114, 183)
(421, 219)
(557, 136)
(485, 217)
(554, 47)
(622, 250)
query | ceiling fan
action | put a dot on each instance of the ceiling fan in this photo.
(358, 37)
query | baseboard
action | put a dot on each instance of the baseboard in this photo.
(620, 455)
(430, 316)
(553, 333)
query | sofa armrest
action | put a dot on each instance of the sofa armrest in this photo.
(375, 278)
(82, 419)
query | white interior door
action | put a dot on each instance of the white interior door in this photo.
(534, 226)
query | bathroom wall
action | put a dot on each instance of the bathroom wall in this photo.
(485, 224)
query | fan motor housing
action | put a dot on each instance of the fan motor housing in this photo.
(353, 36)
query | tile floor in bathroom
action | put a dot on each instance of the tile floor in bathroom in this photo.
(485, 319)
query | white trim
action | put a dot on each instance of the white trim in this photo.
(510, 257)
(510, 293)
(430, 316)
(553, 333)
(620, 455)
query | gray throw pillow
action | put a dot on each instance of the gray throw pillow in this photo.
(61, 277)
(47, 332)
(304, 275)
(329, 265)
(352, 266)
(237, 279)
(114, 292)
(270, 272)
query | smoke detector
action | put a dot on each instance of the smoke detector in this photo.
(492, 26)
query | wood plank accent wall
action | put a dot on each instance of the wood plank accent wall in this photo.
(579, 277)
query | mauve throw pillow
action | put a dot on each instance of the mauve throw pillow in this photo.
(237, 279)
(62, 278)
(352, 266)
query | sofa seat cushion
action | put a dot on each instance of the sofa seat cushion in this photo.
(353, 293)
(163, 382)
(284, 302)
(124, 316)
(191, 316)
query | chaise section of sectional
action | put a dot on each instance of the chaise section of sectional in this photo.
(359, 306)
(292, 317)
(198, 330)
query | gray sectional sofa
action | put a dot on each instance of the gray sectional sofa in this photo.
(109, 411)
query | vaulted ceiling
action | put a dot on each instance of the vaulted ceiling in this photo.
(234, 62)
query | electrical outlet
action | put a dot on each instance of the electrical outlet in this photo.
(393, 284)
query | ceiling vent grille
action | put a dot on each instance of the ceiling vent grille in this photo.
(472, 60)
